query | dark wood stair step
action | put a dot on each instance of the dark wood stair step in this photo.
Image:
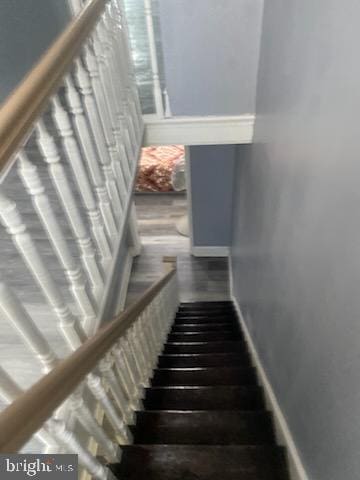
(198, 320)
(211, 306)
(193, 327)
(202, 336)
(227, 397)
(206, 313)
(195, 462)
(203, 428)
(204, 347)
(209, 303)
(204, 376)
(204, 359)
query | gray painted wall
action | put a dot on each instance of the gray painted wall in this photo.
(211, 176)
(211, 51)
(296, 243)
(27, 27)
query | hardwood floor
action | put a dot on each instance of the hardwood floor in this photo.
(200, 278)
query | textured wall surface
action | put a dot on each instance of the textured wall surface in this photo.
(296, 244)
(211, 50)
(211, 172)
(27, 27)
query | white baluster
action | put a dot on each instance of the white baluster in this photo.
(140, 360)
(14, 312)
(97, 389)
(110, 97)
(124, 111)
(72, 444)
(143, 345)
(75, 157)
(134, 366)
(9, 391)
(123, 348)
(92, 112)
(105, 117)
(58, 175)
(90, 424)
(12, 220)
(117, 93)
(31, 179)
(105, 367)
(90, 156)
(134, 232)
(125, 376)
(153, 59)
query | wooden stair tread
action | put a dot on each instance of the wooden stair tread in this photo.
(194, 462)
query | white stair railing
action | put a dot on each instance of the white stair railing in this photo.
(70, 140)
(120, 359)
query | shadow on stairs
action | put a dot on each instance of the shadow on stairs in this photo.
(204, 415)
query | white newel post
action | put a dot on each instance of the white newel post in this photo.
(12, 220)
(61, 183)
(29, 174)
(153, 59)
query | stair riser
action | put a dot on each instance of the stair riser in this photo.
(205, 347)
(206, 327)
(174, 462)
(202, 337)
(218, 398)
(204, 376)
(203, 313)
(222, 303)
(203, 360)
(203, 428)
(204, 320)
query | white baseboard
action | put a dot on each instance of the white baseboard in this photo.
(199, 130)
(283, 434)
(210, 251)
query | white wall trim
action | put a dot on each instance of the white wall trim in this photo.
(200, 130)
(210, 251)
(283, 433)
(189, 195)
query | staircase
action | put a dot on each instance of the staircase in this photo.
(204, 415)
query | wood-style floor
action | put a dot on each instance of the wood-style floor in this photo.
(200, 278)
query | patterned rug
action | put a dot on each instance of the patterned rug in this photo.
(156, 166)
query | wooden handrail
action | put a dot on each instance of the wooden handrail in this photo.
(26, 415)
(29, 99)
